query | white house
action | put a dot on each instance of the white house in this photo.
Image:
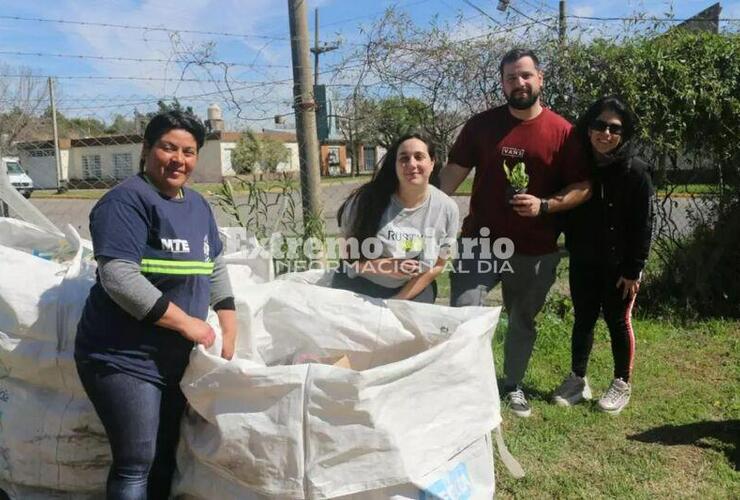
(37, 157)
(102, 161)
(214, 160)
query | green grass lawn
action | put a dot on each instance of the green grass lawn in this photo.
(676, 439)
(72, 194)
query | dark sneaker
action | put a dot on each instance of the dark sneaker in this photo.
(573, 390)
(616, 397)
(518, 403)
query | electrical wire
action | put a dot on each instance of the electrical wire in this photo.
(132, 59)
(538, 21)
(542, 5)
(648, 19)
(142, 28)
(483, 12)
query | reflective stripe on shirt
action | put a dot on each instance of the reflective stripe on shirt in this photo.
(178, 267)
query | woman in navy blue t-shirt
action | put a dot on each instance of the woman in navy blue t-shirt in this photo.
(159, 268)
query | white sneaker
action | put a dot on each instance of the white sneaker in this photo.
(616, 397)
(573, 390)
(518, 403)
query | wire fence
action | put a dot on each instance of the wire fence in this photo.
(99, 136)
(99, 139)
(90, 151)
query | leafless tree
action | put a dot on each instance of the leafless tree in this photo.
(23, 97)
(456, 76)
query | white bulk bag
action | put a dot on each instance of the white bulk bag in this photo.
(52, 443)
(40, 304)
(247, 260)
(50, 439)
(422, 392)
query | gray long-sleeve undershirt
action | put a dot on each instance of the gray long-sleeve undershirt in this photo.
(123, 282)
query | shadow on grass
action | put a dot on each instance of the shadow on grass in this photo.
(699, 434)
(529, 391)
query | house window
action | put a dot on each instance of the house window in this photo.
(40, 153)
(332, 158)
(370, 158)
(122, 165)
(227, 160)
(91, 167)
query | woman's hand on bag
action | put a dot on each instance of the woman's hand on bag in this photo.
(199, 331)
(193, 329)
(228, 324)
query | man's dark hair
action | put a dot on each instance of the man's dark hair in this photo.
(165, 121)
(514, 55)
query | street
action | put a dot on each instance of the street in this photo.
(76, 212)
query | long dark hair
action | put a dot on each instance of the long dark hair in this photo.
(163, 122)
(370, 200)
(617, 105)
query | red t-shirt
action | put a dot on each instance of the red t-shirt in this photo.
(553, 158)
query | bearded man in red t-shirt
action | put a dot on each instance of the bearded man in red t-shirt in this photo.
(521, 131)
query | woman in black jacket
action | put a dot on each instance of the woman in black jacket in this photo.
(608, 238)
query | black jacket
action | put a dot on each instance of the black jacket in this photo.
(614, 227)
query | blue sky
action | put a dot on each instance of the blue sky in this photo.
(262, 55)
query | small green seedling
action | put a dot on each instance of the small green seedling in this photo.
(517, 176)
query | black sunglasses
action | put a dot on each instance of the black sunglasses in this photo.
(602, 126)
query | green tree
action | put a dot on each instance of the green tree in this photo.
(174, 105)
(356, 121)
(121, 125)
(259, 153)
(684, 86)
(685, 89)
(76, 127)
(380, 121)
(396, 116)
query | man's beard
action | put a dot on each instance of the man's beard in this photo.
(523, 101)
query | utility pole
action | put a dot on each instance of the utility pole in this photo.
(305, 112)
(318, 49)
(562, 27)
(55, 130)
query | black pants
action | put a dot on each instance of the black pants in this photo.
(364, 286)
(593, 287)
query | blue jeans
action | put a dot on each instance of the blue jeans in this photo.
(142, 421)
(364, 286)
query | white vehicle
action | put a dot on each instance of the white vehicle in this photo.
(17, 176)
